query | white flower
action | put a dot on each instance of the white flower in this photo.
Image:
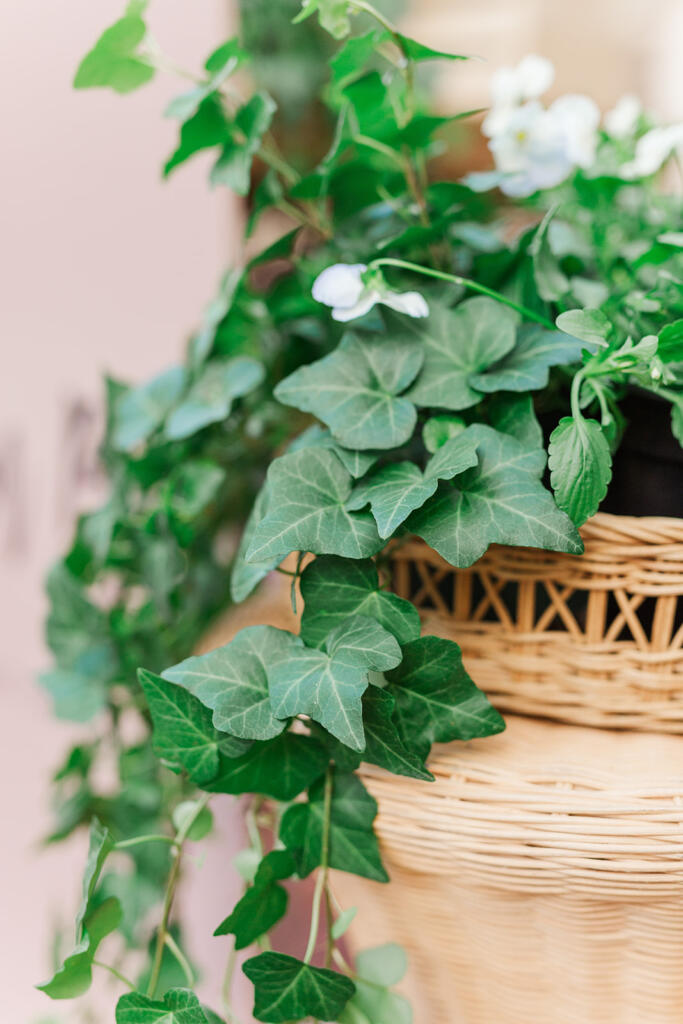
(577, 119)
(652, 149)
(621, 121)
(512, 86)
(352, 292)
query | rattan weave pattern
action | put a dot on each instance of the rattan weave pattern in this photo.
(595, 639)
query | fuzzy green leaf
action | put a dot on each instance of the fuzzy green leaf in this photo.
(210, 398)
(280, 768)
(589, 325)
(526, 367)
(233, 680)
(306, 511)
(184, 736)
(580, 466)
(501, 501)
(436, 701)
(383, 743)
(115, 61)
(140, 411)
(286, 989)
(179, 1006)
(328, 685)
(353, 845)
(356, 391)
(398, 489)
(458, 344)
(335, 588)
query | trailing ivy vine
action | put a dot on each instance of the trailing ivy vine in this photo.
(375, 373)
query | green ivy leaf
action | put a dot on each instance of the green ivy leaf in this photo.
(233, 167)
(436, 701)
(514, 414)
(206, 129)
(210, 398)
(398, 489)
(333, 15)
(353, 845)
(306, 511)
(179, 1006)
(262, 905)
(376, 970)
(501, 501)
(233, 680)
(419, 52)
(526, 367)
(247, 575)
(355, 462)
(458, 344)
(140, 411)
(184, 736)
(439, 429)
(280, 768)
(222, 63)
(115, 61)
(334, 589)
(580, 466)
(670, 345)
(286, 989)
(77, 696)
(356, 391)
(328, 685)
(590, 325)
(550, 281)
(191, 487)
(383, 743)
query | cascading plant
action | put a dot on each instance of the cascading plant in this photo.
(385, 361)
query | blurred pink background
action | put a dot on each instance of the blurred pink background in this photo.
(105, 268)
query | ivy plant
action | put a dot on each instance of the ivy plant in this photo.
(378, 372)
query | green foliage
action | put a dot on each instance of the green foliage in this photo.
(280, 432)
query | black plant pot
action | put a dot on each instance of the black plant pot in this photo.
(647, 478)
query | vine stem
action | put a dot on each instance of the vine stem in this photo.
(117, 974)
(125, 844)
(171, 885)
(181, 958)
(321, 880)
(465, 282)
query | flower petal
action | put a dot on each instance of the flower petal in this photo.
(339, 285)
(411, 303)
(364, 304)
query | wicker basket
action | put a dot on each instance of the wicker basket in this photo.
(593, 639)
(538, 880)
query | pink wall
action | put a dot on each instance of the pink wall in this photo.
(102, 268)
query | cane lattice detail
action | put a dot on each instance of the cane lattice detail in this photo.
(595, 639)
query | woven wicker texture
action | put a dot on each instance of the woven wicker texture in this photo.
(594, 639)
(538, 880)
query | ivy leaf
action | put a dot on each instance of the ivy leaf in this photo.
(333, 15)
(307, 494)
(353, 845)
(439, 429)
(356, 391)
(459, 343)
(397, 490)
(233, 167)
(286, 989)
(179, 1006)
(281, 768)
(590, 325)
(670, 344)
(206, 129)
(514, 414)
(191, 487)
(140, 411)
(328, 685)
(550, 281)
(355, 462)
(210, 398)
(526, 367)
(376, 970)
(184, 736)
(383, 743)
(501, 501)
(263, 904)
(247, 575)
(419, 52)
(580, 466)
(436, 701)
(77, 696)
(333, 589)
(220, 64)
(115, 61)
(233, 680)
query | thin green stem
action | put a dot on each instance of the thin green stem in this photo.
(171, 885)
(126, 844)
(465, 282)
(575, 397)
(321, 880)
(181, 958)
(117, 974)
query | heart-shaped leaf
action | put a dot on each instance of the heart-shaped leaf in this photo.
(179, 1006)
(286, 989)
(526, 367)
(280, 768)
(115, 60)
(210, 398)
